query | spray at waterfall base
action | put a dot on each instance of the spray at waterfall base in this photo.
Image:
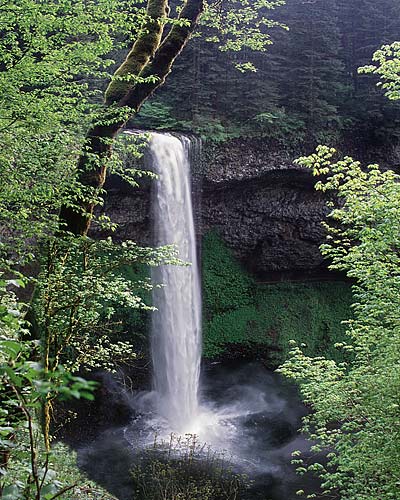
(253, 427)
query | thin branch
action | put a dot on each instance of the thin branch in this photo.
(64, 490)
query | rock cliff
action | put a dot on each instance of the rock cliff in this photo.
(261, 203)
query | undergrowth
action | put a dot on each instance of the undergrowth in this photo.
(183, 469)
(62, 470)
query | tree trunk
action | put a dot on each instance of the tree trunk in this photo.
(150, 56)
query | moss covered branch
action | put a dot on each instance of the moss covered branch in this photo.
(164, 58)
(142, 51)
(145, 69)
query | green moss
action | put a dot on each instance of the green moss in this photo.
(237, 310)
(231, 327)
(225, 286)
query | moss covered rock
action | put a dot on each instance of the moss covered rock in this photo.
(238, 310)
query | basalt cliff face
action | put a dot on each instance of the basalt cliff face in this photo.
(263, 205)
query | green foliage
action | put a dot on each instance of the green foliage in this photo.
(49, 54)
(25, 385)
(157, 115)
(237, 310)
(133, 325)
(388, 69)
(309, 313)
(225, 285)
(280, 125)
(237, 25)
(76, 298)
(214, 130)
(356, 403)
(63, 475)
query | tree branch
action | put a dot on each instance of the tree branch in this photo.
(148, 58)
(142, 51)
(164, 58)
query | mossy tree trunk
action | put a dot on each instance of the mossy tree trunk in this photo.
(145, 69)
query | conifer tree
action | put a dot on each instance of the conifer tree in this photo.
(312, 82)
(366, 25)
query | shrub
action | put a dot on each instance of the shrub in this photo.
(183, 469)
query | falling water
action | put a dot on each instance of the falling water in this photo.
(176, 325)
(240, 412)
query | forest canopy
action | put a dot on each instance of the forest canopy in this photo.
(306, 88)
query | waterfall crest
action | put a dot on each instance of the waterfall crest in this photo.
(176, 325)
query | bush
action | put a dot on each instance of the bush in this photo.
(182, 469)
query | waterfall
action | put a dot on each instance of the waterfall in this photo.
(176, 325)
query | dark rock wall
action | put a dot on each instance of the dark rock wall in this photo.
(262, 204)
(269, 227)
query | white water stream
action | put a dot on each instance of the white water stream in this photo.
(176, 325)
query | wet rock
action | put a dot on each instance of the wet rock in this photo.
(262, 204)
